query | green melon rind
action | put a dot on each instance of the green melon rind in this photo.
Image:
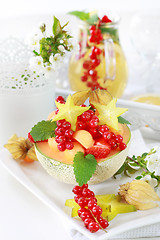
(65, 173)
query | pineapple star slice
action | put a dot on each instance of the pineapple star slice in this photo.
(69, 111)
(108, 114)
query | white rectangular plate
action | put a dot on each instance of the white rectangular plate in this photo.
(54, 193)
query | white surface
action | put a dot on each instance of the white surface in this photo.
(27, 218)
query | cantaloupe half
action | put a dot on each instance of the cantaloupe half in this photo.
(58, 166)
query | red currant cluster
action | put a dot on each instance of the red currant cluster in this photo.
(111, 138)
(89, 121)
(64, 135)
(90, 75)
(89, 211)
(61, 100)
(89, 65)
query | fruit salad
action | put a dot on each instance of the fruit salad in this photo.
(82, 141)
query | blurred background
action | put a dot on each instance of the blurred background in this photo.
(139, 34)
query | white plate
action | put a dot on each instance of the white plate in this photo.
(54, 193)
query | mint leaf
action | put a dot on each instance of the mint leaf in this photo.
(123, 121)
(56, 28)
(81, 15)
(93, 19)
(43, 130)
(84, 167)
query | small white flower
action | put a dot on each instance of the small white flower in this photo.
(151, 181)
(49, 72)
(153, 160)
(61, 48)
(33, 41)
(51, 59)
(36, 63)
(57, 57)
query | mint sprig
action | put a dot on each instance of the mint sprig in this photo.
(84, 167)
(43, 130)
(80, 14)
(135, 164)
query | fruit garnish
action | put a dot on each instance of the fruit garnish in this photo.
(21, 149)
(111, 205)
(140, 194)
(80, 97)
(100, 149)
(43, 130)
(84, 167)
(69, 111)
(100, 96)
(89, 211)
(108, 114)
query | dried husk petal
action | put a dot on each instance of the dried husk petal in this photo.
(80, 97)
(100, 96)
(140, 194)
(20, 147)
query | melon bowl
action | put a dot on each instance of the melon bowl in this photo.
(64, 172)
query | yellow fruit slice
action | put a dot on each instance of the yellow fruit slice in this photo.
(148, 98)
(84, 138)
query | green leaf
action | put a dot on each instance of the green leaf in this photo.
(93, 19)
(138, 177)
(84, 167)
(81, 15)
(112, 32)
(36, 53)
(56, 26)
(123, 121)
(43, 130)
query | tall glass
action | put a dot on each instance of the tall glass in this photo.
(111, 72)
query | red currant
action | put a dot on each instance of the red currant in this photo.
(61, 147)
(81, 125)
(85, 185)
(80, 210)
(119, 139)
(91, 204)
(30, 138)
(60, 122)
(77, 190)
(57, 110)
(113, 135)
(86, 116)
(66, 125)
(86, 64)
(93, 27)
(103, 128)
(60, 139)
(103, 222)
(69, 145)
(122, 146)
(84, 78)
(105, 19)
(86, 193)
(82, 202)
(107, 136)
(85, 215)
(60, 98)
(59, 131)
(87, 221)
(93, 227)
(95, 62)
(92, 73)
(97, 210)
(69, 133)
